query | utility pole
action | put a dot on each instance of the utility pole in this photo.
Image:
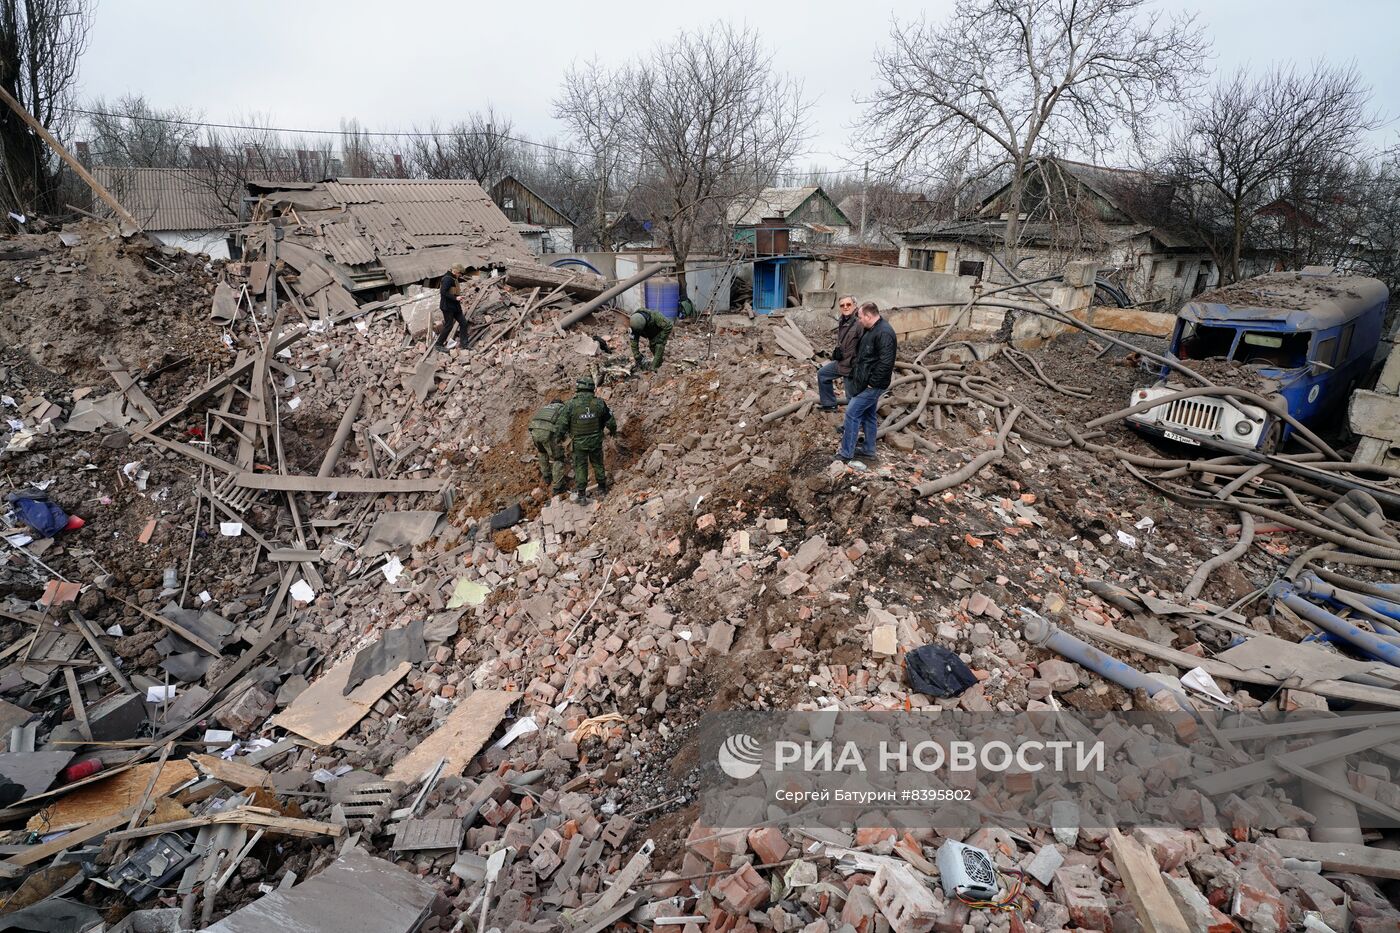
(73, 163)
(864, 198)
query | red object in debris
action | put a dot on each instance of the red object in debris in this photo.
(74, 523)
(82, 769)
(196, 432)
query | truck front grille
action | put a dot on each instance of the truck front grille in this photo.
(1193, 415)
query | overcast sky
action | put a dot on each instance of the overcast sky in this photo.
(308, 63)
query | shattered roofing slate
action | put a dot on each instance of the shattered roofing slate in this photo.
(370, 232)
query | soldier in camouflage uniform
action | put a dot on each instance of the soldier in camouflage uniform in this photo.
(553, 469)
(656, 328)
(583, 418)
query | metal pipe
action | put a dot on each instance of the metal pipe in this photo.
(1044, 633)
(1359, 638)
(1198, 581)
(588, 307)
(342, 434)
(1310, 584)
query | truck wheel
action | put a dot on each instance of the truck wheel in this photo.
(1273, 438)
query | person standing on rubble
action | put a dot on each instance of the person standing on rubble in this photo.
(450, 304)
(583, 418)
(550, 450)
(656, 328)
(872, 373)
(843, 356)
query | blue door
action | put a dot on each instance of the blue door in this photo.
(769, 285)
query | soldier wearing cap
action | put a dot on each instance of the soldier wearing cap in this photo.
(583, 418)
(656, 328)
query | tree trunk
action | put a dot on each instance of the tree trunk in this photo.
(1013, 214)
(1237, 243)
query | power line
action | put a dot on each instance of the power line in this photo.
(408, 134)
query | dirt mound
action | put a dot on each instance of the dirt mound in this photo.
(66, 305)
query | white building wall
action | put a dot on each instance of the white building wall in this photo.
(213, 243)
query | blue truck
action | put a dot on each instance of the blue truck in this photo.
(1305, 339)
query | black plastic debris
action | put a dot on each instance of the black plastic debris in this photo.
(937, 672)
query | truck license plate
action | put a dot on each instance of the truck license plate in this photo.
(1181, 438)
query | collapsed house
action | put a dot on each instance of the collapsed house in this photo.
(322, 653)
(1072, 210)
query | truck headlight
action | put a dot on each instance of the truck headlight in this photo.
(1243, 428)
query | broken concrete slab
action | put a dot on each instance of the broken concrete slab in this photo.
(356, 892)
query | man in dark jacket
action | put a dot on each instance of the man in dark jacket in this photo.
(872, 373)
(583, 418)
(451, 307)
(843, 356)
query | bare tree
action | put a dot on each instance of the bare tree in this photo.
(129, 132)
(587, 104)
(709, 121)
(1003, 81)
(1253, 138)
(41, 42)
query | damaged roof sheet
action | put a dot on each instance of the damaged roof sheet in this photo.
(407, 229)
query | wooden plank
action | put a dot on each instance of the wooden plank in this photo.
(75, 697)
(1336, 856)
(1142, 879)
(101, 652)
(122, 376)
(193, 452)
(270, 820)
(289, 555)
(337, 484)
(120, 792)
(458, 739)
(14, 866)
(323, 712)
(234, 773)
(175, 627)
(1342, 789)
(1271, 768)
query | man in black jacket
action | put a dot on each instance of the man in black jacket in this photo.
(873, 370)
(843, 356)
(450, 304)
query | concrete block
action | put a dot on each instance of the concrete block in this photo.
(902, 897)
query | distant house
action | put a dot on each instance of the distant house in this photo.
(809, 212)
(1073, 210)
(627, 231)
(179, 207)
(545, 228)
(886, 216)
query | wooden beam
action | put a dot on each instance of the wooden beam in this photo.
(128, 385)
(1272, 768)
(77, 167)
(175, 627)
(1142, 879)
(101, 652)
(340, 484)
(270, 820)
(75, 697)
(14, 866)
(1340, 856)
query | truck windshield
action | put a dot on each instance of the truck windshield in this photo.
(1279, 349)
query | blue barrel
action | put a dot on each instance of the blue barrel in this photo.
(663, 295)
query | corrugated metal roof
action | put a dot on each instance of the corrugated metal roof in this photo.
(771, 202)
(166, 198)
(408, 227)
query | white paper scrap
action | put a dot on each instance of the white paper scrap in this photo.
(523, 726)
(302, 592)
(160, 693)
(393, 568)
(1198, 680)
(231, 529)
(1126, 539)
